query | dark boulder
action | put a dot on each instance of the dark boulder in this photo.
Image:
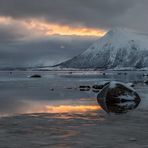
(145, 75)
(146, 82)
(35, 76)
(97, 87)
(52, 89)
(84, 88)
(118, 97)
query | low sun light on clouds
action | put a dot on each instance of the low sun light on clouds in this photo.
(5, 20)
(43, 28)
(52, 29)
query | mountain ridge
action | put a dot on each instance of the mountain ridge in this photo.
(118, 48)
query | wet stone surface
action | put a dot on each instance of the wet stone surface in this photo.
(118, 97)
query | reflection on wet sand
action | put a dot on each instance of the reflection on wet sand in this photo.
(70, 108)
(31, 107)
(59, 130)
(86, 130)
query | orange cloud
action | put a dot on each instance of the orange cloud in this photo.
(52, 29)
(43, 28)
(5, 20)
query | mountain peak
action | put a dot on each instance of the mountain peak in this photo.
(120, 47)
(120, 32)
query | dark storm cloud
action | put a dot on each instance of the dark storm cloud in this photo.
(38, 52)
(19, 47)
(94, 13)
(10, 33)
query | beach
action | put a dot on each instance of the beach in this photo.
(53, 112)
(92, 129)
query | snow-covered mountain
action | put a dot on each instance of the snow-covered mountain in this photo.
(118, 48)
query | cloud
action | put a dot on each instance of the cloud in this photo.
(19, 49)
(36, 32)
(21, 45)
(136, 18)
(94, 13)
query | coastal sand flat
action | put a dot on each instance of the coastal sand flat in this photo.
(91, 129)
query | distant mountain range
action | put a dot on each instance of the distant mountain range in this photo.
(119, 48)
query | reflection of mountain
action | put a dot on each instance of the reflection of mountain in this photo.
(118, 48)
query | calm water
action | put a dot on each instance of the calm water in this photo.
(57, 91)
(51, 112)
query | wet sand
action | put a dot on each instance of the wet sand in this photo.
(93, 129)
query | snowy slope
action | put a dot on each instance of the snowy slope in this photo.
(118, 48)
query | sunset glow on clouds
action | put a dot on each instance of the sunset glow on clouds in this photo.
(43, 28)
(52, 29)
(36, 41)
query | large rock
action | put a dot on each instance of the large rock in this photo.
(118, 97)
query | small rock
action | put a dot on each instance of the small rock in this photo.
(145, 75)
(35, 76)
(52, 89)
(84, 88)
(97, 86)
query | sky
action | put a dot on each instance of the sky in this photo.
(47, 32)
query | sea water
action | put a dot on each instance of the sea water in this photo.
(21, 94)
